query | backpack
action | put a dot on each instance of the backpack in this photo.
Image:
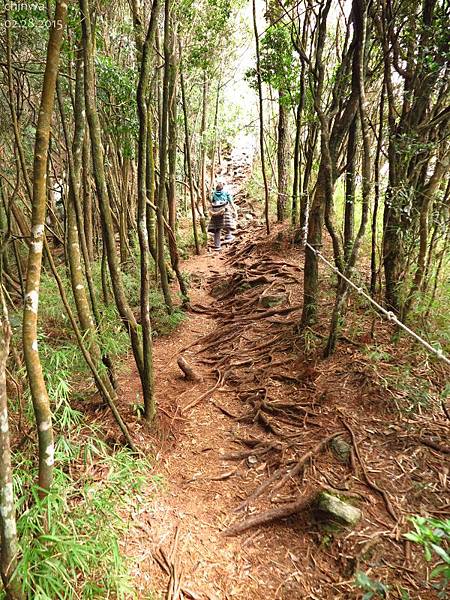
(217, 210)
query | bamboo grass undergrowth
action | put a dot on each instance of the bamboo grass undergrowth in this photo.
(70, 539)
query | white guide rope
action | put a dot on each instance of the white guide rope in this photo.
(387, 313)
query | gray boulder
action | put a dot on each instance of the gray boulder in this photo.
(332, 508)
(341, 449)
(269, 301)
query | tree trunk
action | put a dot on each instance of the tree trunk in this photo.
(109, 239)
(261, 120)
(314, 239)
(311, 140)
(350, 189)
(297, 184)
(41, 403)
(188, 162)
(282, 157)
(376, 202)
(151, 185)
(171, 187)
(142, 108)
(172, 145)
(214, 142)
(163, 161)
(88, 205)
(203, 152)
(8, 535)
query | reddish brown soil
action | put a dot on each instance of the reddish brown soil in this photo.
(200, 490)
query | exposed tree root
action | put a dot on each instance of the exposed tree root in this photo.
(278, 310)
(281, 476)
(256, 347)
(200, 309)
(369, 481)
(170, 565)
(188, 371)
(432, 444)
(225, 411)
(219, 382)
(304, 459)
(271, 515)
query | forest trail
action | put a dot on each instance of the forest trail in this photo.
(275, 409)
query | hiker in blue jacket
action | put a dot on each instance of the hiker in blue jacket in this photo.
(223, 213)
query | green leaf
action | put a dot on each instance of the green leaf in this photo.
(440, 569)
(413, 537)
(362, 580)
(441, 553)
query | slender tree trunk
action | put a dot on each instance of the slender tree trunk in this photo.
(9, 548)
(314, 234)
(109, 239)
(350, 189)
(214, 142)
(88, 205)
(438, 268)
(172, 144)
(203, 152)
(41, 403)
(296, 185)
(151, 185)
(282, 157)
(124, 232)
(304, 185)
(261, 120)
(189, 163)
(106, 290)
(442, 218)
(376, 202)
(84, 212)
(163, 160)
(171, 187)
(142, 93)
(314, 239)
(392, 243)
(12, 107)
